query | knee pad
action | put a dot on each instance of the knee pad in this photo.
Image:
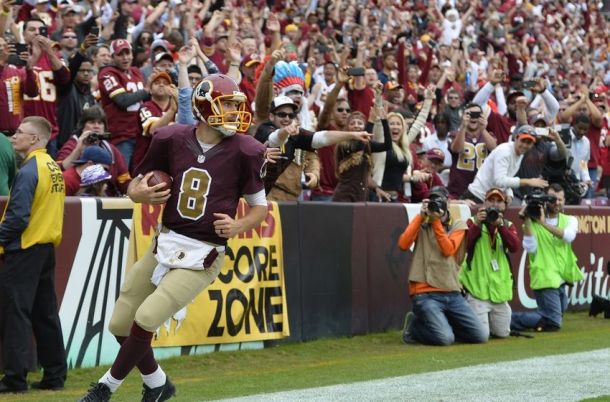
(121, 320)
(147, 320)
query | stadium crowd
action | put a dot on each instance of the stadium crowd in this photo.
(453, 80)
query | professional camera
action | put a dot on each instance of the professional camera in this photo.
(437, 205)
(535, 200)
(492, 215)
(95, 137)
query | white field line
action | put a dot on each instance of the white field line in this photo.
(567, 377)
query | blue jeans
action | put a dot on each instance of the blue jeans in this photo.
(126, 148)
(441, 318)
(321, 198)
(551, 305)
(591, 192)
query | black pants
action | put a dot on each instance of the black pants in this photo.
(27, 288)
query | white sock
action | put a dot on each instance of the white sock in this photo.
(156, 379)
(109, 380)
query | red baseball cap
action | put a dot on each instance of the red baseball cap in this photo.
(118, 45)
(436, 154)
(161, 74)
(495, 192)
(390, 85)
(527, 132)
(250, 60)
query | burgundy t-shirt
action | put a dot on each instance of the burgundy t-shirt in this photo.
(72, 181)
(594, 135)
(361, 99)
(421, 190)
(204, 183)
(500, 126)
(328, 176)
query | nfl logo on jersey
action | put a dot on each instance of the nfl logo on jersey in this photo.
(201, 158)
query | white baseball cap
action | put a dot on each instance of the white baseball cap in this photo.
(282, 100)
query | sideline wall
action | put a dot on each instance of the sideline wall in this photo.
(344, 273)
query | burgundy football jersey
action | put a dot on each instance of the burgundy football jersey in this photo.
(149, 113)
(123, 124)
(465, 165)
(204, 183)
(45, 103)
(14, 84)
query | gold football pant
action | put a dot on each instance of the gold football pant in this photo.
(150, 306)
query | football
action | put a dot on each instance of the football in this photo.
(159, 176)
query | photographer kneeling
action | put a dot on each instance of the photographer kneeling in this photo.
(548, 234)
(440, 314)
(486, 273)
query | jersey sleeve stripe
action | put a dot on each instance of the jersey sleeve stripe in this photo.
(116, 92)
(125, 177)
(146, 125)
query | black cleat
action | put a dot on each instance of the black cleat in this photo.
(159, 394)
(5, 389)
(99, 392)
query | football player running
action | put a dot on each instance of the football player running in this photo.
(211, 169)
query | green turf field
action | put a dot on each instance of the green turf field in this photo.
(333, 361)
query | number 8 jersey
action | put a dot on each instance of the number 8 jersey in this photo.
(122, 124)
(204, 183)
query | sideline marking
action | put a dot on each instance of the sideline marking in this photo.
(568, 377)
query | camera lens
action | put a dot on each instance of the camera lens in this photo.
(533, 210)
(492, 215)
(437, 205)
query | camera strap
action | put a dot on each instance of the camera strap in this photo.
(492, 240)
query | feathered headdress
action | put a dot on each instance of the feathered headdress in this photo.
(287, 77)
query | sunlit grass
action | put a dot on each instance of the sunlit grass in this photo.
(333, 361)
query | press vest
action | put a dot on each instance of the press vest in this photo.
(554, 261)
(480, 278)
(430, 266)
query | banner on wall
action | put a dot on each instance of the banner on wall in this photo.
(93, 279)
(245, 303)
